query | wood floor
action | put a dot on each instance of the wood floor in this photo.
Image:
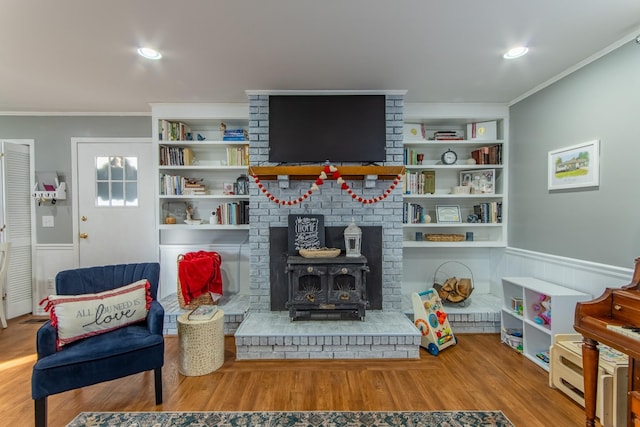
(479, 373)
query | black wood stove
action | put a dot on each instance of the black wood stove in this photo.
(327, 288)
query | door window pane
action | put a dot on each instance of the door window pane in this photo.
(117, 194)
(102, 168)
(131, 168)
(117, 169)
(131, 193)
(116, 181)
(102, 194)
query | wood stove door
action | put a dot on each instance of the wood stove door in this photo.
(346, 284)
(307, 284)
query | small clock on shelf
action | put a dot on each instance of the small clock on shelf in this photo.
(449, 157)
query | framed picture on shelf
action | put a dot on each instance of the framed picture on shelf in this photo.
(448, 214)
(227, 188)
(577, 166)
(481, 181)
(414, 131)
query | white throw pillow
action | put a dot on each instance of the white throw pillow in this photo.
(80, 316)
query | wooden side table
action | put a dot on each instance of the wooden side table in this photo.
(200, 344)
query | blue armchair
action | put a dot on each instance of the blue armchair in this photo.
(129, 350)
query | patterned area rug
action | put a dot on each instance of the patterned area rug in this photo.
(291, 419)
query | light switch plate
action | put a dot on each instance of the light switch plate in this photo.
(47, 221)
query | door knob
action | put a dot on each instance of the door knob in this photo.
(83, 235)
(84, 218)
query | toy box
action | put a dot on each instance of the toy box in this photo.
(431, 319)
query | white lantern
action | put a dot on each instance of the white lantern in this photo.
(353, 240)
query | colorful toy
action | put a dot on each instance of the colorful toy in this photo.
(431, 320)
(542, 308)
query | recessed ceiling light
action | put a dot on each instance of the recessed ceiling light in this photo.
(147, 52)
(516, 52)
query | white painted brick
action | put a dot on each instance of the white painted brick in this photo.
(395, 355)
(335, 348)
(369, 355)
(344, 355)
(273, 355)
(297, 355)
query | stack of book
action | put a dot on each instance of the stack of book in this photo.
(175, 156)
(176, 185)
(235, 135)
(233, 213)
(194, 189)
(172, 131)
(413, 213)
(491, 155)
(447, 135)
(238, 156)
(488, 212)
(410, 156)
(414, 183)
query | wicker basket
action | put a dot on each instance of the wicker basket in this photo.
(445, 237)
(204, 299)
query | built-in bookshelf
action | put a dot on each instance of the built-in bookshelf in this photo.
(459, 202)
(472, 228)
(202, 162)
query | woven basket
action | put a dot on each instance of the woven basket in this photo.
(445, 237)
(204, 299)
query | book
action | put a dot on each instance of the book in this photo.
(203, 312)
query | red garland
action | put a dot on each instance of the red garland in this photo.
(319, 182)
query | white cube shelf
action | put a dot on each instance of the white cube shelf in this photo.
(537, 338)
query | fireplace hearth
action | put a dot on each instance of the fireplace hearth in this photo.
(327, 288)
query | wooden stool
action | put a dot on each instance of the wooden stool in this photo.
(201, 344)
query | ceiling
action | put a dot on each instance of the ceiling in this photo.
(80, 56)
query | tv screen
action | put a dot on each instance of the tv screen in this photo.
(338, 128)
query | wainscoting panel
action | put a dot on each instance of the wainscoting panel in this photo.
(584, 276)
(49, 259)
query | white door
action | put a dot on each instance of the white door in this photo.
(16, 213)
(114, 221)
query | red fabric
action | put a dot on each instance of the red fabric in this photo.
(199, 272)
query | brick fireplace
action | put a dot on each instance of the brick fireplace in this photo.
(338, 208)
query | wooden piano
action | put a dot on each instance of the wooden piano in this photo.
(601, 321)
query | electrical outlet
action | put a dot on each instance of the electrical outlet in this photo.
(47, 221)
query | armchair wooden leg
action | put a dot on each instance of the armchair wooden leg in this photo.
(40, 406)
(157, 373)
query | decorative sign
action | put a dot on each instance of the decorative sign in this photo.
(305, 232)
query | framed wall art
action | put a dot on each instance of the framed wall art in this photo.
(576, 166)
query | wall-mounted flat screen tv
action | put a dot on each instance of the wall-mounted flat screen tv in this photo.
(337, 128)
